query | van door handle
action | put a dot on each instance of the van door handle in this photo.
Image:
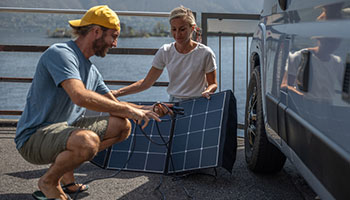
(346, 80)
(283, 4)
(303, 71)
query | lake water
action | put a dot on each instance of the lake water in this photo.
(116, 67)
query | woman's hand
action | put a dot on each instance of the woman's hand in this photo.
(207, 94)
(116, 93)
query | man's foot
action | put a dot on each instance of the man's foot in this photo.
(74, 187)
(51, 190)
(38, 195)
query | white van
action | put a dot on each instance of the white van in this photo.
(298, 98)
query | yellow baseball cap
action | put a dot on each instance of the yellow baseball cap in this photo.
(99, 15)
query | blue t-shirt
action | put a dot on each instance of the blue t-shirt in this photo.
(47, 102)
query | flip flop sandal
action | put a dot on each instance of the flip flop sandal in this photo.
(68, 191)
(39, 195)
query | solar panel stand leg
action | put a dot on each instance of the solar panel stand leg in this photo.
(105, 163)
(172, 129)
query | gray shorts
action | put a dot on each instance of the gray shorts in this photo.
(47, 142)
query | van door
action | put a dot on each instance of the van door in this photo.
(318, 122)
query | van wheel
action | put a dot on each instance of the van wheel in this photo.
(260, 154)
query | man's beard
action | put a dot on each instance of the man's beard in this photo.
(100, 47)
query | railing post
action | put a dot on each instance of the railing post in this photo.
(247, 63)
(219, 62)
(204, 29)
(233, 63)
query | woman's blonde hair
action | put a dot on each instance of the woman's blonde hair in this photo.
(183, 12)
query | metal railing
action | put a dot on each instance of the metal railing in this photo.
(222, 16)
(36, 48)
(233, 34)
(133, 51)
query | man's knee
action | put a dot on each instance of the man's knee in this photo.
(84, 143)
(119, 128)
(126, 129)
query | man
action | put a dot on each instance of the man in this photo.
(51, 128)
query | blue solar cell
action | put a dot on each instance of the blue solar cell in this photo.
(119, 162)
(182, 125)
(216, 102)
(197, 122)
(123, 146)
(137, 161)
(142, 143)
(155, 162)
(164, 127)
(192, 159)
(158, 148)
(213, 119)
(211, 137)
(195, 140)
(209, 157)
(200, 106)
(179, 143)
(177, 162)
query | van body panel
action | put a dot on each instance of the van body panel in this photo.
(304, 53)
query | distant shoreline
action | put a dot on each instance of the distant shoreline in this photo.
(121, 36)
(67, 33)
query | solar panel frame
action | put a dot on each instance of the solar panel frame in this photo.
(193, 152)
(209, 124)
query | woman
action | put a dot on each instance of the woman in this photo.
(191, 65)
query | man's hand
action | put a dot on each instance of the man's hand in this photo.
(140, 115)
(162, 109)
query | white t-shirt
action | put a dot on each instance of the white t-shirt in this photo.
(186, 71)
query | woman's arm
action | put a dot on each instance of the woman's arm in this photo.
(140, 85)
(158, 108)
(212, 84)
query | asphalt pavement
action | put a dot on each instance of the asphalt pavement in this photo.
(18, 180)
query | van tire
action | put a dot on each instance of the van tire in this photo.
(261, 155)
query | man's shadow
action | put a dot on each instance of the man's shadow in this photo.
(157, 185)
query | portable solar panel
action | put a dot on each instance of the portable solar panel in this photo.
(203, 137)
